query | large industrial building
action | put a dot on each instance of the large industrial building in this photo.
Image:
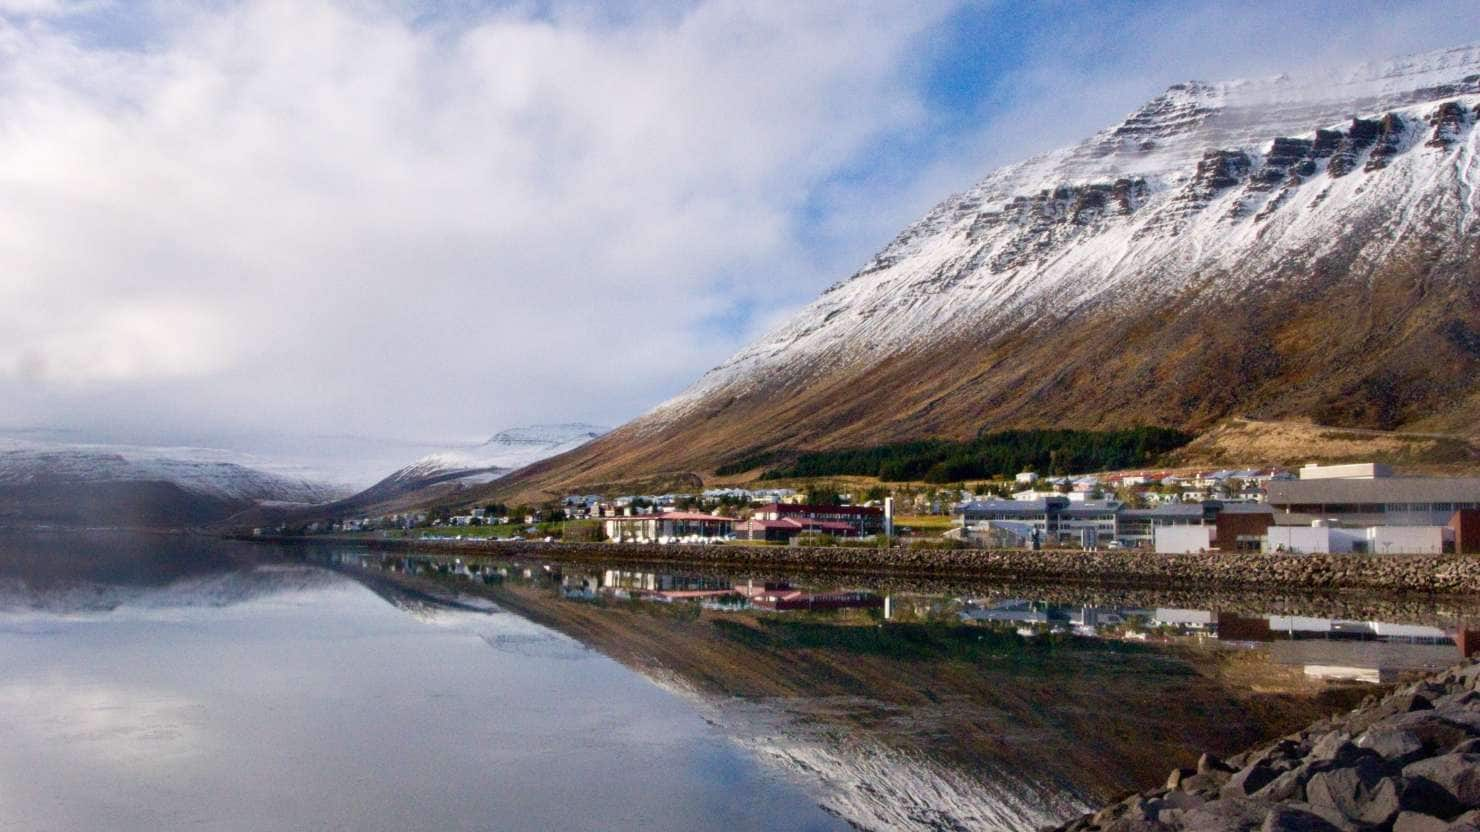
(1359, 508)
(1051, 521)
(1379, 501)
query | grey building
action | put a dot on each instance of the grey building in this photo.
(1137, 526)
(1381, 501)
(1053, 521)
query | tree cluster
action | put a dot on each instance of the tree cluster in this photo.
(996, 454)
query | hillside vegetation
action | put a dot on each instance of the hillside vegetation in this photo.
(995, 454)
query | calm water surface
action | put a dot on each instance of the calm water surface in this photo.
(161, 683)
(154, 692)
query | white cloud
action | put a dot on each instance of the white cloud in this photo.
(34, 7)
(128, 342)
(433, 219)
(412, 226)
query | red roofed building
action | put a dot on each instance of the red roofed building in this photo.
(785, 530)
(782, 596)
(860, 521)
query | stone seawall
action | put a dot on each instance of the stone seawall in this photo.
(1407, 763)
(1443, 574)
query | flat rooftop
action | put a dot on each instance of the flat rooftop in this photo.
(1375, 491)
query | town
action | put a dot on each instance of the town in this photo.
(1359, 508)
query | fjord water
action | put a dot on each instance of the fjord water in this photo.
(166, 683)
(158, 685)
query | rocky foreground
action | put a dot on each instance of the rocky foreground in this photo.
(1408, 763)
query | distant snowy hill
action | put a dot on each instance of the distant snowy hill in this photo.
(506, 451)
(205, 471)
(133, 486)
(1288, 247)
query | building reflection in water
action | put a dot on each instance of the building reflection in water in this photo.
(1376, 652)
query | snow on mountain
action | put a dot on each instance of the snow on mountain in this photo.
(1206, 184)
(206, 472)
(505, 451)
(518, 447)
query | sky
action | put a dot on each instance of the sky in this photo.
(428, 220)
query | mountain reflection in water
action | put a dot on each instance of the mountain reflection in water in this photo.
(158, 683)
(173, 684)
(904, 706)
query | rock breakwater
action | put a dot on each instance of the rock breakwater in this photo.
(1409, 762)
(1430, 574)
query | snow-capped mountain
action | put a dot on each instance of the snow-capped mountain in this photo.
(1206, 183)
(506, 451)
(205, 471)
(1289, 246)
(130, 485)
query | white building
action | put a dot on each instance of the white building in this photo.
(1354, 471)
(669, 527)
(1184, 619)
(1376, 540)
(1411, 540)
(1184, 540)
(1309, 540)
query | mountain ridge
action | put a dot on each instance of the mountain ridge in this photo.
(452, 472)
(139, 486)
(1292, 247)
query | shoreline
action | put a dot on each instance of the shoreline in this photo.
(1405, 762)
(1441, 575)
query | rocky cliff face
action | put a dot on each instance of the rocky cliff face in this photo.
(1282, 247)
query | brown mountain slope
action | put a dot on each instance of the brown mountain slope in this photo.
(1240, 441)
(1382, 348)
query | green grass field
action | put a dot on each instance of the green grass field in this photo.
(505, 530)
(925, 523)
